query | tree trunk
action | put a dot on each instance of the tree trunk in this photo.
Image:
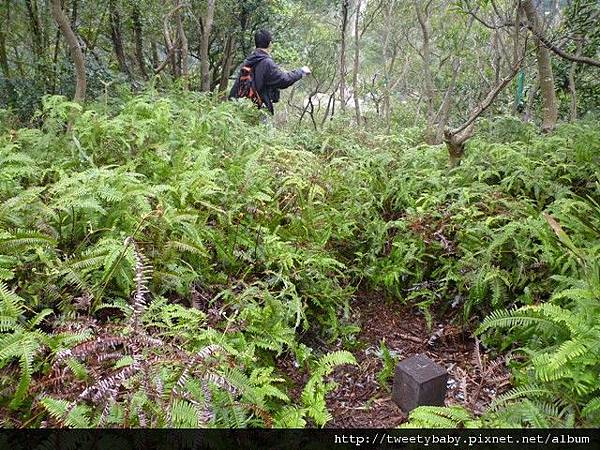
(356, 64)
(497, 56)
(76, 54)
(154, 48)
(243, 16)
(74, 14)
(443, 113)
(4, 25)
(572, 88)
(456, 138)
(227, 62)
(183, 48)
(330, 106)
(3, 56)
(138, 37)
(387, 67)
(345, 6)
(36, 27)
(517, 35)
(527, 112)
(545, 76)
(116, 37)
(422, 17)
(55, 61)
(39, 41)
(172, 48)
(18, 61)
(455, 143)
(204, 63)
(171, 57)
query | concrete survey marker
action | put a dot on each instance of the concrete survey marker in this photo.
(419, 381)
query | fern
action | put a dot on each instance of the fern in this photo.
(592, 410)
(183, 414)
(277, 232)
(21, 240)
(315, 390)
(67, 413)
(11, 309)
(290, 417)
(439, 417)
(518, 317)
(19, 341)
(566, 362)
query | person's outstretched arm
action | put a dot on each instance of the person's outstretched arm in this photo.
(279, 79)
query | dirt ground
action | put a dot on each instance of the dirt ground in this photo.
(360, 401)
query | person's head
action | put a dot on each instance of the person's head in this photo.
(263, 39)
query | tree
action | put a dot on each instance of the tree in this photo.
(356, 63)
(76, 54)
(423, 60)
(206, 30)
(572, 87)
(456, 138)
(345, 7)
(4, 25)
(226, 62)
(423, 18)
(440, 82)
(136, 20)
(117, 38)
(183, 49)
(544, 66)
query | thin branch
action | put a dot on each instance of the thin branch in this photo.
(487, 101)
(368, 22)
(560, 52)
(543, 39)
(172, 45)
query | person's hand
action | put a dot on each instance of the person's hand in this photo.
(305, 70)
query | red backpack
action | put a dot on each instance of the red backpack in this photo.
(246, 86)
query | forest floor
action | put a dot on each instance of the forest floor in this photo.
(361, 400)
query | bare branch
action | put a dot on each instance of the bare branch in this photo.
(560, 52)
(171, 46)
(367, 22)
(486, 102)
(540, 35)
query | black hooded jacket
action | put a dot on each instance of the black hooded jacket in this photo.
(268, 77)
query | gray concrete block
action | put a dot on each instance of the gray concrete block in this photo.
(419, 381)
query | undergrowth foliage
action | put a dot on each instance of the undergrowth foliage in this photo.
(164, 257)
(127, 381)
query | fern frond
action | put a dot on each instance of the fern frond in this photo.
(438, 417)
(331, 360)
(21, 240)
(552, 366)
(67, 413)
(187, 246)
(183, 414)
(511, 318)
(526, 391)
(141, 284)
(290, 417)
(196, 360)
(11, 308)
(592, 408)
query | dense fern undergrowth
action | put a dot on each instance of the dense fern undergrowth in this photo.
(157, 259)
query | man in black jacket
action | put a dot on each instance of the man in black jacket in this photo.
(267, 77)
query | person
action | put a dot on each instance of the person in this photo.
(265, 76)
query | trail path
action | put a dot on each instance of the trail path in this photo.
(360, 401)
